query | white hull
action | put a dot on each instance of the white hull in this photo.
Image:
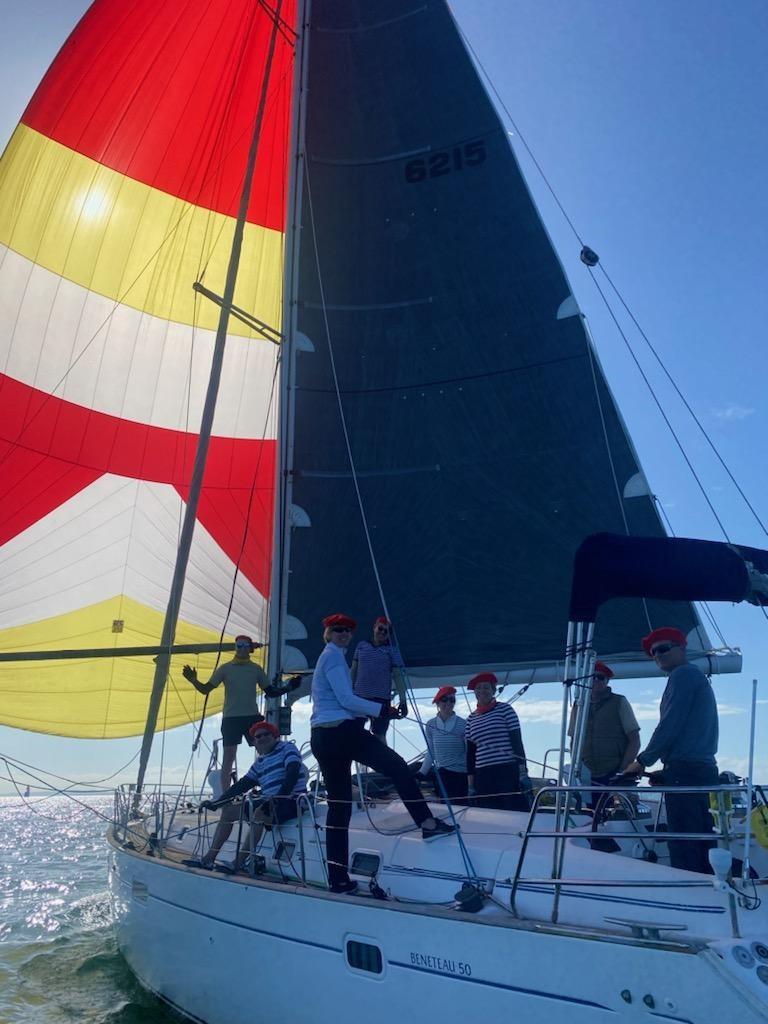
(234, 950)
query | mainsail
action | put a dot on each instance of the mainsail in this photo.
(118, 193)
(485, 442)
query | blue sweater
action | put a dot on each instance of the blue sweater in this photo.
(687, 729)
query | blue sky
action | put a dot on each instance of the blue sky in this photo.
(648, 120)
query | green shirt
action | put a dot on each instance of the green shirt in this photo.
(240, 679)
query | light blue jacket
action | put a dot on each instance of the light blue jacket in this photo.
(333, 699)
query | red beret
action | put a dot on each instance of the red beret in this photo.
(664, 634)
(339, 620)
(267, 727)
(601, 667)
(482, 677)
(444, 691)
(382, 621)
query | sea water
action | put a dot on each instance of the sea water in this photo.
(58, 959)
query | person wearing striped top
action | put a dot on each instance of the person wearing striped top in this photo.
(281, 778)
(377, 672)
(496, 764)
(447, 747)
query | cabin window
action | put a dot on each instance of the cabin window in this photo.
(364, 863)
(364, 957)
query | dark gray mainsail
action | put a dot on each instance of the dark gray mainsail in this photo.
(484, 450)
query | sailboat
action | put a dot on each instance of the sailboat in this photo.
(278, 301)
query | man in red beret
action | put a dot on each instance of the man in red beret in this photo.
(280, 776)
(612, 738)
(242, 678)
(377, 672)
(685, 741)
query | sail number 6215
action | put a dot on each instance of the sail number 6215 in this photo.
(446, 161)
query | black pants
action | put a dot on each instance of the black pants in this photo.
(498, 786)
(335, 750)
(689, 812)
(454, 785)
(380, 724)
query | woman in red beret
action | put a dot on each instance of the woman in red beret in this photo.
(495, 754)
(447, 747)
(339, 737)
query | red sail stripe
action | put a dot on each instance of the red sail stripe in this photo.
(167, 93)
(64, 447)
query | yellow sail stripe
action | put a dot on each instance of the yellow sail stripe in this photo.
(100, 698)
(127, 241)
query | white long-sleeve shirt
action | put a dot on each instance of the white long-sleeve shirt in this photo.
(446, 744)
(333, 699)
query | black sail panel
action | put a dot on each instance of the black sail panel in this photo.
(463, 367)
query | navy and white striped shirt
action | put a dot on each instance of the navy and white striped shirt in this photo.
(490, 733)
(373, 674)
(268, 772)
(446, 744)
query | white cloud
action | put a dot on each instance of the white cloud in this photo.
(732, 412)
(540, 710)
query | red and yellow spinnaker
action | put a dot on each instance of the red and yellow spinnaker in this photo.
(118, 191)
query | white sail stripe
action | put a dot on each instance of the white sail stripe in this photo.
(118, 537)
(127, 363)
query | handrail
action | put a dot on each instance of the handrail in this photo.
(305, 798)
(557, 881)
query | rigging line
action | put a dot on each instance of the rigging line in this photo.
(451, 380)
(519, 134)
(703, 604)
(619, 295)
(288, 34)
(685, 402)
(64, 778)
(86, 807)
(197, 738)
(30, 805)
(619, 495)
(660, 407)
(471, 873)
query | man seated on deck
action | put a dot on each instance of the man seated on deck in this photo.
(281, 777)
(240, 677)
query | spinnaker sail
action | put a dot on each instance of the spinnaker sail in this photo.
(118, 193)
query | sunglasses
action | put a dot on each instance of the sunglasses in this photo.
(447, 700)
(382, 629)
(662, 649)
(599, 677)
(341, 629)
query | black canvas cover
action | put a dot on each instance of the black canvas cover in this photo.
(464, 369)
(676, 568)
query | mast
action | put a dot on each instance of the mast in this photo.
(188, 527)
(287, 375)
